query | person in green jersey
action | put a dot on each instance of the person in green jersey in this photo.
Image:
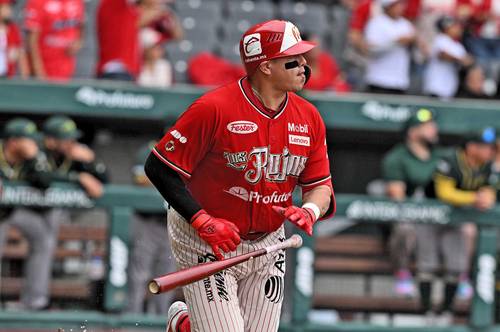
(407, 170)
(69, 160)
(21, 160)
(464, 178)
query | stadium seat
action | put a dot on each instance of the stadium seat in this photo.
(234, 29)
(231, 52)
(251, 11)
(311, 17)
(179, 54)
(340, 26)
(200, 9)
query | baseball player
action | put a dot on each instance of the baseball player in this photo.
(21, 160)
(408, 170)
(228, 168)
(463, 179)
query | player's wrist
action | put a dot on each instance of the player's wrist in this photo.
(199, 219)
(313, 210)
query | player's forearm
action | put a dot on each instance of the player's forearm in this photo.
(447, 192)
(320, 196)
(171, 187)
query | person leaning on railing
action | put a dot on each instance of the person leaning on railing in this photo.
(407, 170)
(69, 160)
(21, 160)
(463, 179)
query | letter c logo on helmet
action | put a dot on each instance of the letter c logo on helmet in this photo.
(270, 40)
(252, 45)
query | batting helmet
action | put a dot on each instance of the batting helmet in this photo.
(270, 40)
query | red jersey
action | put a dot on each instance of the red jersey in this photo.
(238, 159)
(367, 8)
(10, 48)
(59, 23)
(118, 35)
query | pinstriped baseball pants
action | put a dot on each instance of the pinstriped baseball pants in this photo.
(246, 297)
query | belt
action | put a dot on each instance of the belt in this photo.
(254, 236)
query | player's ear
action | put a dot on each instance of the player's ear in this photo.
(265, 67)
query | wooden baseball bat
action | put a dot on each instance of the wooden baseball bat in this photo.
(186, 276)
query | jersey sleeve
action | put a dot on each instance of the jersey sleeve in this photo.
(392, 168)
(33, 15)
(360, 16)
(188, 141)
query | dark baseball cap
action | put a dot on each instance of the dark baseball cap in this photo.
(446, 21)
(61, 127)
(21, 127)
(418, 117)
(486, 135)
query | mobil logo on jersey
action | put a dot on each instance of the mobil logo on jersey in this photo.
(259, 163)
(242, 127)
(298, 139)
(253, 196)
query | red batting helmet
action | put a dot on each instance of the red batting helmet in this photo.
(270, 40)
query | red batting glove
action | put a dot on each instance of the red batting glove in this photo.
(218, 233)
(303, 218)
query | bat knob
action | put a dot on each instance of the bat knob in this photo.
(296, 241)
(154, 287)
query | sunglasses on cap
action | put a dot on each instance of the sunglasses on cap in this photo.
(424, 115)
(488, 135)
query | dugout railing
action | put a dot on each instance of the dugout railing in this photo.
(120, 201)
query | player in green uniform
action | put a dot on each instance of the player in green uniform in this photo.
(21, 160)
(69, 160)
(462, 179)
(407, 169)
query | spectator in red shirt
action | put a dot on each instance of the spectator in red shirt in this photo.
(118, 37)
(118, 26)
(325, 73)
(54, 36)
(12, 55)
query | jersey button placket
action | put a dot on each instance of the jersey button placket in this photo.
(272, 132)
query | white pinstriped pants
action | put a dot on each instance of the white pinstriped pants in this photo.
(246, 297)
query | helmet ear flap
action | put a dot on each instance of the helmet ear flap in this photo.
(307, 73)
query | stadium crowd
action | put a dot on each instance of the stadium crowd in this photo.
(379, 46)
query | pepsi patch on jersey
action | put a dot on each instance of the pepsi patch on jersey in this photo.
(299, 140)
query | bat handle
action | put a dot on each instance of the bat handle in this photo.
(295, 241)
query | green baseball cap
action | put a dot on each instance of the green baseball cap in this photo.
(418, 117)
(486, 135)
(61, 127)
(21, 127)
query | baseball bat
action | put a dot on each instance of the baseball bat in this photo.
(186, 276)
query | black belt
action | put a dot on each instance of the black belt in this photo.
(254, 236)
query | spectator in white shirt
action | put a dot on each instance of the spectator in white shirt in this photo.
(441, 77)
(389, 37)
(156, 71)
